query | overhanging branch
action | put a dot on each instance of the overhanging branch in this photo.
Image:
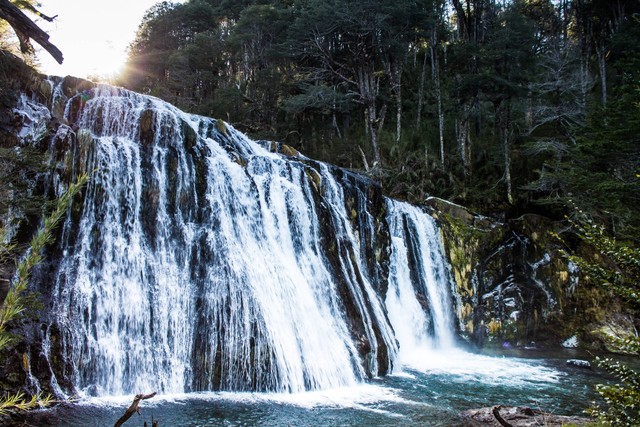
(26, 29)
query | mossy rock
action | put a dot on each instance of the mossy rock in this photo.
(147, 119)
(71, 86)
(222, 127)
(315, 178)
(288, 151)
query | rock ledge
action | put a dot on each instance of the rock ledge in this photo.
(517, 416)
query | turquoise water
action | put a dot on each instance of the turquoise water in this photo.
(430, 390)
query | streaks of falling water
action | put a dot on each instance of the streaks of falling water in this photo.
(203, 264)
(418, 300)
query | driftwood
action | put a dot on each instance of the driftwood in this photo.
(496, 413)
(154, 423)
(134, 409)
(26, 29)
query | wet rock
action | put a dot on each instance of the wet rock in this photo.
(74, 85)
(571, 342)
(147, 118)
(517, 416)
(190, 136)
(513, 284)
(579, 363)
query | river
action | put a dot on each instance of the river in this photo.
(429, 391)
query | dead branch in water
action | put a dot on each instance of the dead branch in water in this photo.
(134, 408)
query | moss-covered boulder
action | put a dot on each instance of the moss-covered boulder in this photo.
(510, 279)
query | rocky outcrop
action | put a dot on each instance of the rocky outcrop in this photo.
(514, 286)
(517, 416)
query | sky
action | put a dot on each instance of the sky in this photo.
(93, 35)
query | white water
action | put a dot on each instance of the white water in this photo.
(418, 268)
(177, 282)
(217, 265)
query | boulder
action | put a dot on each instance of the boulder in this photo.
(517, 416)
(579, 363)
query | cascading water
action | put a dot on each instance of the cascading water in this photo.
(418, 299)
(201, 260)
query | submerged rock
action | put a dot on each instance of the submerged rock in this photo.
(517, 416)
(579, 363)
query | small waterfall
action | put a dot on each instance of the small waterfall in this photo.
(418, 300)
(202, 261)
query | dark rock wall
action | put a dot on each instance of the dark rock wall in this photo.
(514, 286)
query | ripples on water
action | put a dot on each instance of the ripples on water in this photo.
(430, 389)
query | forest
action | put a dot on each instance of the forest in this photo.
(506, 107)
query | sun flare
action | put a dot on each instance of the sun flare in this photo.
(93, 36)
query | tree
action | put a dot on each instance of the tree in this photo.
(26, 29)
(597, 167)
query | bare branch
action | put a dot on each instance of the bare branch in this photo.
(26, 29)
(133, 408)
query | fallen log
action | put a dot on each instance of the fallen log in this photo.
(134, 408)
(517, 416)
(154, 423)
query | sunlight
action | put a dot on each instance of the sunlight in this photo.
(93, 36)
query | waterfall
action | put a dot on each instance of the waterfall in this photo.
(418, 300)
(202, 260)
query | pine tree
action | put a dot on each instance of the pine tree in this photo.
(17, 301)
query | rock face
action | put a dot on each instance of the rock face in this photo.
(513, 284)
(517, 416)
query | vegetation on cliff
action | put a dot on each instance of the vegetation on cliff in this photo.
(18, 301)
(614, 266)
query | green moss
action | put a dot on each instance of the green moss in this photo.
(315, 178)
(222, 127)
(288, 151)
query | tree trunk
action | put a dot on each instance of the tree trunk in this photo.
(503, 115)
(397, 89)
(506, 146)
(25, 29)
(435, 76)
(133, 408)
(334, 120)
(601, 51)
(423, 77)
(368, 87)
(376, 120)
(463, 138)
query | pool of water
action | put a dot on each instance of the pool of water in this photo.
(430, 389)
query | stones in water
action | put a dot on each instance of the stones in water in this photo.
(579, 363)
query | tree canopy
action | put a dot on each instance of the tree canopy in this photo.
(505, 106)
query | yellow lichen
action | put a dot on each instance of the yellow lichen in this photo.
(222, 127)
(494, 326)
